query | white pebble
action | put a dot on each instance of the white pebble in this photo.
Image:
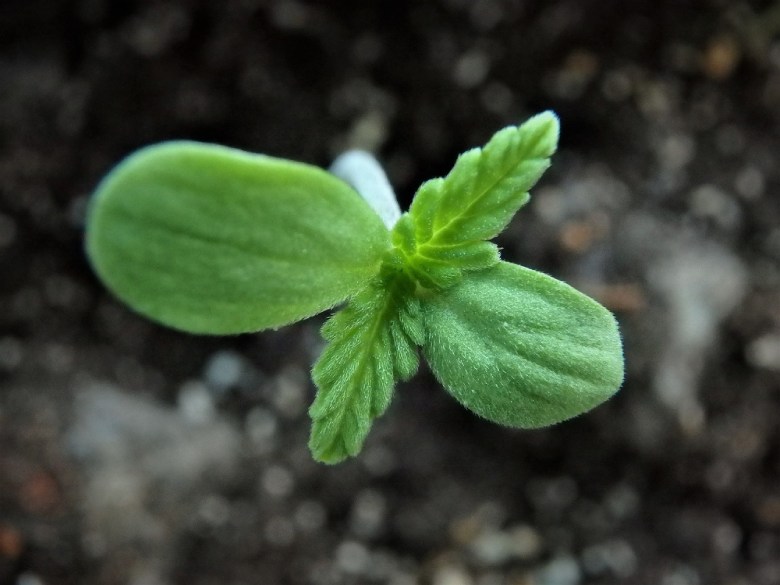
(195, 402)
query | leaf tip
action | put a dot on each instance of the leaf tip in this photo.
(327, 456)
(547, 126)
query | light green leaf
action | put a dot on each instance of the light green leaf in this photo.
(372, 342)
(210, 239)
(479, 196)
(521, 348)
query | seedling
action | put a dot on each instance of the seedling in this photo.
(212, 240)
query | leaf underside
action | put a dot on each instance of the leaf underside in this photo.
(209, 239)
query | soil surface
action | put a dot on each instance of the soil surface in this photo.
(132, 454)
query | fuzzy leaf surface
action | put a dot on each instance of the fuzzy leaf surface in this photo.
(372, 343)
(521, 348)
(209, 239)
(478, 197)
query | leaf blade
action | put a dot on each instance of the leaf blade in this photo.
(209, 239)
(444, 232)
(369, 349)
(521, 348)
(486, 186)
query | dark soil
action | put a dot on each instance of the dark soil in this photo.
(133, 454)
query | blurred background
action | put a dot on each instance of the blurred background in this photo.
(132, 454)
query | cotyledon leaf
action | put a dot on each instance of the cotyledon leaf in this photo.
(478, 197)
(210, 239)
(372, 342)
(521, 348)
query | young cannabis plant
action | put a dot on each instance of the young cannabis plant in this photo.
(212, 240)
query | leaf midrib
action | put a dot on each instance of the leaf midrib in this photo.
(360, 371)
(530, 146)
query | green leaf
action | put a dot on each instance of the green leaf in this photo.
(372, 343)
(521, 348)
(479, 196)
(210, 239)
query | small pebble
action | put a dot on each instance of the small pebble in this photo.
(277, 481)
(727, 537)
(486, 14)
(563, 570)
(677, 151)
(353, 558)
(289, 393)
(310, 516)
(214, 510)
(261, 427)
(750, 183)
(764, 352)
(368, 513)
(622, 501)
(616, 557)
(224, 370)
(721, 57)
(379, 460)
(472, 68)
(710, 202)
(403, 579)
(195, 402)
(552, 494)
(451, 575)
(681, 575)
(289, 15)
(29, 579)
(494, 548)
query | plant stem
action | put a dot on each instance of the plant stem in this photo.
(364, 173)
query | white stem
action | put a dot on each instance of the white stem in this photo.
(364, 173)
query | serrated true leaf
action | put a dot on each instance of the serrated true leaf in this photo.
(210, 239)
(372, 343)
(521, 348)
(482, 192)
